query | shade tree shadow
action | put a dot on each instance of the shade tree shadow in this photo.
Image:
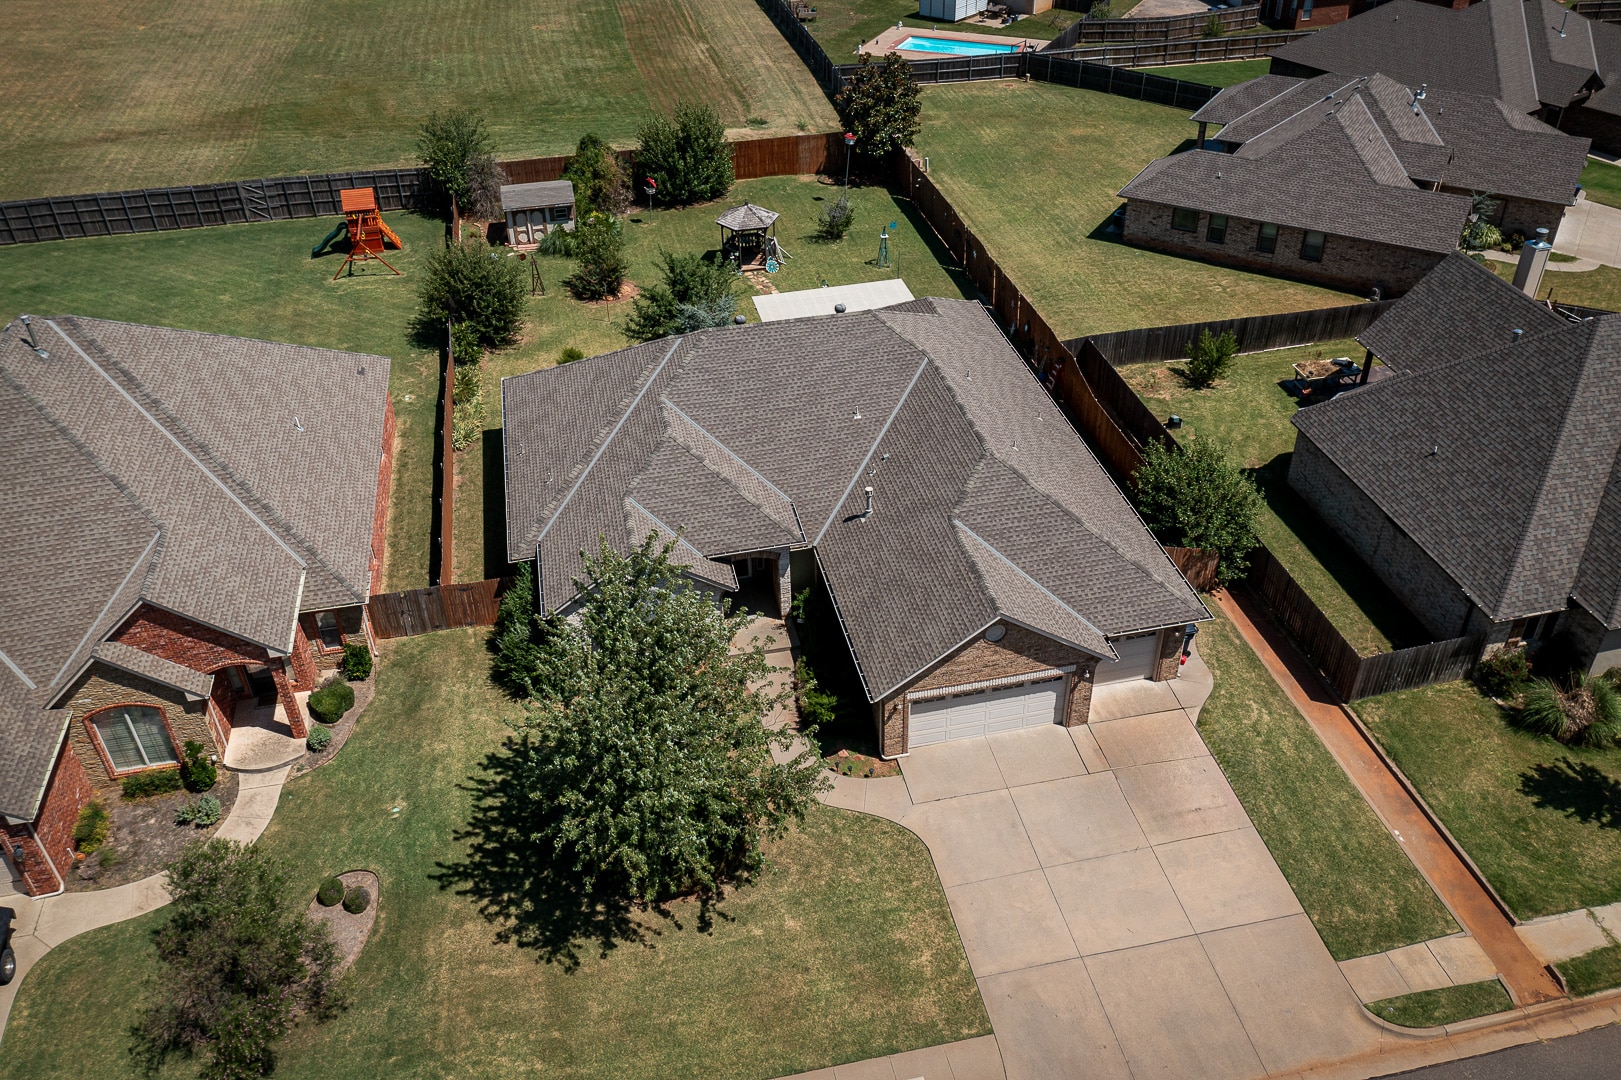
(1579, 790)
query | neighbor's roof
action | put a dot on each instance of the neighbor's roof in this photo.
(762, 437)
(1459, 309)
(544, 193)
(230, 481)
(864, 296)
(747, 216)
(1498, 465)
(1507, 49)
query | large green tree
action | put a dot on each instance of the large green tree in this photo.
(882, 106)
(457, 152)
(474, 284)
(686, 154)
(598, 176)
(241, 963)
(696, 293)
(1196, 498)
(599, 258)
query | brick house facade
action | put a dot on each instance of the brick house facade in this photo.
(46, 843)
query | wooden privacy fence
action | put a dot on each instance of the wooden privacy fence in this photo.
(1599, 10)
(115, 213)
(1164, 28)
(1166, 53)
(787, 155)
(956, 68)
(1197, 565)
(803, 42)
(440, 607)
(1254, 333)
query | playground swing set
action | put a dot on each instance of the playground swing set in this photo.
(363, 224)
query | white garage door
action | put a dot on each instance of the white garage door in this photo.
(983, 713)
(1137, 655)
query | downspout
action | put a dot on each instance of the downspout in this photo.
(61, 885)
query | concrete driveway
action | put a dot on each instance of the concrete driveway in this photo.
(1122, 916)
(1590, 230)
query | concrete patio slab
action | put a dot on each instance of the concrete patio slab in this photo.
(1560, 937)
(974, 837)
(1134, 697)
(1462, 958)
(976, 1059)
(1087, 745)
(1419, 968)
(1118, 902)
(1080, 817)
(1049, 1023)
(1373, 978)
(1170, 1014)
(1282, 980)
(1009, 923)
(1035, 755)
(1143, 740)
(1226, 879)
(1175, 800)
(947, 770)
(1590, 230)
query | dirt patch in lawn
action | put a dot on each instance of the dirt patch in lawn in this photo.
(145, 838)
(349, 932)
(341, 731)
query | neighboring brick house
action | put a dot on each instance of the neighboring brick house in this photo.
(1356, 182)
(1315, 14)
(1482, 481)
(984, 568)
(191, 520)
(1536, 56)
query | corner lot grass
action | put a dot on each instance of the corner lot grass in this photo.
(1225, 73)
(846, 950)
(1446, 1005)
(259, 281)
(1597, 288)
(150, 93)
(1353, 879)
(1592, 972)
(1248, 413)
(1602, 182)
(1033, 169)
(1541, 820)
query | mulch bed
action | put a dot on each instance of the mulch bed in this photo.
(860, 765)
(349, 932)
(340, 731)
(145, 837)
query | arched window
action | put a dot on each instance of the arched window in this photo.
(134, 737)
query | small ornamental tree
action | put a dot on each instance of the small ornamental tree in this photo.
(1197, 498)
(474, 284)
(1210, 357)
(696, 293)
(836, 218)
(241, 963)
(686, 155)
(645, 764)
(599, 179)
(459, 156)
(599, 254)
(882, 107)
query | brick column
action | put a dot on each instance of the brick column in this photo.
(1078, 709)
(284, 691)
(1170, 655)
(891, 717)
(785, 588)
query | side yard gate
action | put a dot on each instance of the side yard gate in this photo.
(441, 607)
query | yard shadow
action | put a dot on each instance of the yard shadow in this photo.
(1579, 790)
(495, 506)
(937, 249)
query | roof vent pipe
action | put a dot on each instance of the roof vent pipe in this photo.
(867, 513)
(1517, 333)
(33, 343)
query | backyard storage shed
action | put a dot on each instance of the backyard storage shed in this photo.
(949, 10)
(533, 210)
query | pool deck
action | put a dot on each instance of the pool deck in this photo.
(885, 42)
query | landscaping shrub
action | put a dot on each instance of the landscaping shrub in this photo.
(465, 346)
(330, 702)
(473, 284)
(152, 782)
(882, 106)
(1479, 234)
(696, 293)
(1586, 712)
(92, 828)
(357, 900)
(1197, 498)
(600, 263)
(108, 858)
(330, 893)
(201, 812)
(686, 155)
(458, 154)
(356, 664)
(816, 706)
(318, 739)
(467, 398)
(1503, 674)
(600, 182)
(197, 772)
(835, 219)
(1214, 27)
(570, 354)
(558, 243)
(1210, 357)
(516, 639)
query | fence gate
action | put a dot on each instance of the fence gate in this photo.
(441, 607)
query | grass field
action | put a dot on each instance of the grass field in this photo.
(1447, 1005)
(845, 950)
(1361, 891)
(1033, 169)
(1225, 73)
(149, 93)
(1602, 181)
(842, 25)
(1541, 820)
(259, 281)
(1593, 971)
(1248, 413)
(1598, 288)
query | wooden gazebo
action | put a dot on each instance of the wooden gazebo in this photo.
(748, 233)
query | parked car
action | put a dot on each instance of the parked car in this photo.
(8, 959)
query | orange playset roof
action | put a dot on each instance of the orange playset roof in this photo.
(357, 199)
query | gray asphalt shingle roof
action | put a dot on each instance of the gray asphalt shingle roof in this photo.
(763, 437)
(531, 196)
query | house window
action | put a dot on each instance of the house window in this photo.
(1216, 231)
(1267, 239)
(1305, 12)
(327, 624)
(1185, 220)
(1311, 247)
(134, 737)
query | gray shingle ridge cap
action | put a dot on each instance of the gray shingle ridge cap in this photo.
(607, 440)
(1321, 104)
(1048, 593)
(1153, 167)
(731, 454)
(680, 541)
(1376, 83)
(199, 450)
(1365, 152)
(879, 438)
(151, 666)
(22, 676)
(107, 607)
(1530, 58)
(1295, 84)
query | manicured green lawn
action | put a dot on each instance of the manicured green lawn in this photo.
(842, 25)
(1353, 879)
(1602, 181)
(1592, 972)
(846, 950)
(259, 281)
(1541, 820)
(150, 93)
(1248, 413)
(1033, 169)
(1597, 288)
(1226, 73)
(1447, 1005)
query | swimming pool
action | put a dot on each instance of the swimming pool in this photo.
(953, 47)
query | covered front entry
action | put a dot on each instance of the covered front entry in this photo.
(1137, 657)
(984, 712)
